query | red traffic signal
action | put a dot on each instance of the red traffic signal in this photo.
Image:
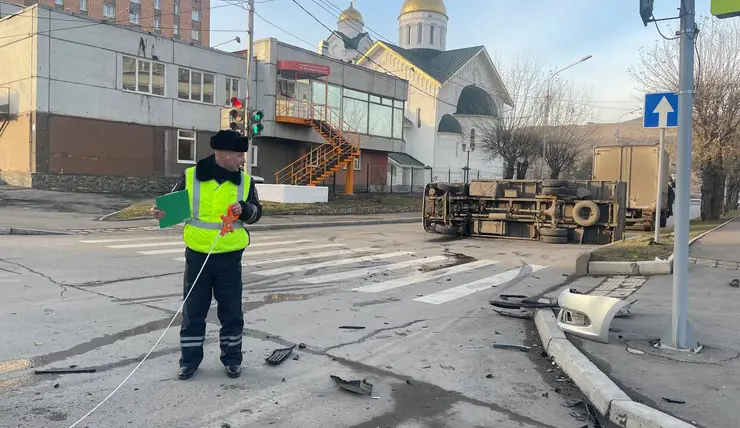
(236, 103)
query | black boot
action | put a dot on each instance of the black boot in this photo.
(234, 371)
(186, 373)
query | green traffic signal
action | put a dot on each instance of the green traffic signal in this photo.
(256, 126)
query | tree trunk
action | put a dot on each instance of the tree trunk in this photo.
(712, 191)
(554, 174)
(521, 170)
(509, 167)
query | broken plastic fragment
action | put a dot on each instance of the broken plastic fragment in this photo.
(279, 355)
(512, 347)
(357, 386)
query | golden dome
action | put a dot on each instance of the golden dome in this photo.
(351, 13)
(424, 5)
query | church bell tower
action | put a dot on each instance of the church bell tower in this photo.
(422, 24)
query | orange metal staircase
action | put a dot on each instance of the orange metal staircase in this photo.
(340, 149)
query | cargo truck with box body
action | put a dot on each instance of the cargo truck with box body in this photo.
(637, 166)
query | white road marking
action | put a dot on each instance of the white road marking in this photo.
(310, 256)
(281, 250)
(179, 250)
(371, 270)
(149, 245)
(450, 294)
(292, 269)
(422, 277)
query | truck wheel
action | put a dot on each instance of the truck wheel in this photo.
(554, 239)
(553, 232)
(589, 219)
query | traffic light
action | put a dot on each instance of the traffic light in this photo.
(255, 123)
(646, 11)
(235, 117)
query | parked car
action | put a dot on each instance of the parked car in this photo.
(258, 179)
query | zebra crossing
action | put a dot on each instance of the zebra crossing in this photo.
(303, 262)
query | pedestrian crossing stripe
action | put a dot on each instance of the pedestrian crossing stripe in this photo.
(370, 270)
(444, 296)
(249, 253)
(257, 245)
(423, 277)
(310, 256)
(330, 263)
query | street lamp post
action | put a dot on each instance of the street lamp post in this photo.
(616, 134)
(547, 112)
(469, 148)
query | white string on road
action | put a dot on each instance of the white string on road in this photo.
(158, 340)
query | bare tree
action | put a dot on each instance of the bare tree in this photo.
(584, 167)
(716, 115)
(568, 107)
(509, 137)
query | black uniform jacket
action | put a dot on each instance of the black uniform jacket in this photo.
(206, 169)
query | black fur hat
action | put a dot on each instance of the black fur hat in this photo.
(230, 141)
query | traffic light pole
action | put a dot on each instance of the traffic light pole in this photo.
(247, 104)
(680, 334)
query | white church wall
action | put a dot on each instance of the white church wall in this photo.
(411, 36)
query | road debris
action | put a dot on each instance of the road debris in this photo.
(521, 348)
(735, 283)
(279, 355)
(357, 386)
(352, 327)
(572, 402)
(444, 367)
(632, 350)
(626, 311)
(301, 346)
(593, 415)
(64, 371)
(489, 376)
(673, 400)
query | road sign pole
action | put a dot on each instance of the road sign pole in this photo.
(247, 105)
(680, 335)
(661, 178)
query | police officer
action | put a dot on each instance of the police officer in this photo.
(214, 184)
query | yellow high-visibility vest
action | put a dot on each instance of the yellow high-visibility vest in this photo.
(208, 201)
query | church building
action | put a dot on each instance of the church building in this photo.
(450, 92)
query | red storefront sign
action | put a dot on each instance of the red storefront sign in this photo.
(303, 67)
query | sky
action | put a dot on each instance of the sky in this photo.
(556, 32)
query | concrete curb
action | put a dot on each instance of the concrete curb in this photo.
(603, 393)
(647, 267)
(22, 231)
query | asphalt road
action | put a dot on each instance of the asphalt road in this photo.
(101, 301)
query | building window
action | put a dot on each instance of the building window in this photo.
(176, 29)
(431, 34)
(356, 164)
(59, 2)
(156, 23)
(371, 114)
(418, 118)
(408, 35)
(419, 34)
(158, 4)
(232, 89)
(109, 10)
(186, 144)
(83, 5)
(195, 34)
(176, 8)
(195, 85)
(133, 17)
(144, 76)
(136, 1)
(195, 15)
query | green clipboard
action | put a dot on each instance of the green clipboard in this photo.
(176, 207)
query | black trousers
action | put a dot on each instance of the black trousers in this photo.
(222, 279)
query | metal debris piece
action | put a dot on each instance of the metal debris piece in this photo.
(521, 313)
(572, 402)
(444, 367)
(626, 311)
(489, 376)
(302, 346)
(357, 386)
(512, 347)
(735, 283)
(64, 371)
(674, 401)
(593, 415)
(352, 327)
(279, 355)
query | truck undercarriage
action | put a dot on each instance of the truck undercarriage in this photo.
(551, 211)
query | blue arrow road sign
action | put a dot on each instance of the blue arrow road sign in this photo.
(661, 110)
